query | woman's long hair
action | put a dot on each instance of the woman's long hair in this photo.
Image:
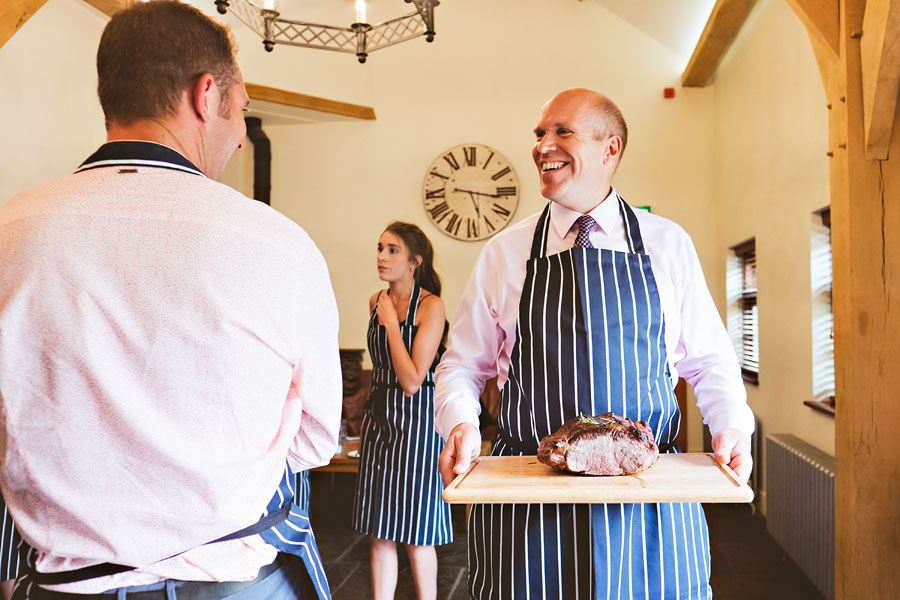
(418, 244)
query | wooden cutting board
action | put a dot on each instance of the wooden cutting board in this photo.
(691, 477)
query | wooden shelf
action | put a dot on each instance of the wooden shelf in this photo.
(269, 101)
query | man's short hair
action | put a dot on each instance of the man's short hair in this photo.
(611, 120)
(151, 52)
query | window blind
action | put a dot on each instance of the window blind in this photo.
(749, 350)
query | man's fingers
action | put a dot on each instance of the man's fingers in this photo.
(732, 448)
(462, 447)
(742, 465)
(447, 460)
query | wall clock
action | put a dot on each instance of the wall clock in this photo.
(470, 192)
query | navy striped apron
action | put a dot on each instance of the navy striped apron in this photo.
(11, 562)
(292, 534)
(398, 489)
(302, 490)
(590, 338)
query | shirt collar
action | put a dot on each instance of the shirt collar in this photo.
(606, 215)
(135, 153)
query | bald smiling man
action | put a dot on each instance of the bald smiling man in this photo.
(586, 307)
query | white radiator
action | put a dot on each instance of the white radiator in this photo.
(800, 506)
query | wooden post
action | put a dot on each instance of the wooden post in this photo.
(865, 225)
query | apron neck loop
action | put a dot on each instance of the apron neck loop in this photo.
(632, 231)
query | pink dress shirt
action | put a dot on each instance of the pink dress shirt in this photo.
(484, 330)
(165, 345)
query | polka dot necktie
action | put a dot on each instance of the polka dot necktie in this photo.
(585, 224)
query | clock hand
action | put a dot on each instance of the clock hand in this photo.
(475, 203)
(477, 193)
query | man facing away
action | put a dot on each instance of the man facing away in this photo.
(168, 347)
(584, 308)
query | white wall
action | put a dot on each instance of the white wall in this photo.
(771, 173)
(49, 114)
(483, 80)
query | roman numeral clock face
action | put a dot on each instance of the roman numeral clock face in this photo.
(470, 192)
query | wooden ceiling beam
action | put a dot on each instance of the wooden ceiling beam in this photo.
(721, 29)
(822, 20)
(109, 7)
(14, 14)
(880, 57)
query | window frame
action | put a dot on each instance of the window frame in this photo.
(825, 404)
(748, 303)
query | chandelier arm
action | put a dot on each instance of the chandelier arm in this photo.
(426, 11)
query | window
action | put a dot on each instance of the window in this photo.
(744, 323)
(822, 316)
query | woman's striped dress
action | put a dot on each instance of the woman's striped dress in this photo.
(11, 562)
(398, 491)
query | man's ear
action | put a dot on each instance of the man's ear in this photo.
(201, 96)
(614, 148)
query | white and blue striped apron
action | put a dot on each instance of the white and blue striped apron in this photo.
(398, 489)
(11, 563)
(287, 525)
(290, 532)
(302, 490)
(590, 338)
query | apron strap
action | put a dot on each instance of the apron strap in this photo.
(104, 569)
(539, 242)
(632, 229)
(413, 305)
(277, 511)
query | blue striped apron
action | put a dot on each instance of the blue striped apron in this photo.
(590, 338)
(302, 490)
(11, 563)
(398, 489)
(292, 535)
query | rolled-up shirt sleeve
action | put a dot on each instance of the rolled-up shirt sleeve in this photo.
(707, 357)
(317, 380)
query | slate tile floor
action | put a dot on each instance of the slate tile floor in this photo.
(747, 564)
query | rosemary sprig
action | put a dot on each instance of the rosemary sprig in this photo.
(592, 421)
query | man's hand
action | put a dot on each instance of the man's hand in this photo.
(462, 447)
(732, 447)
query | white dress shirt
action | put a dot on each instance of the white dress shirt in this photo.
(165, 345)
(484, 330)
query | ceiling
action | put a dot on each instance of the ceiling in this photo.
(676, 24)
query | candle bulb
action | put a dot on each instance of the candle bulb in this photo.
(360, 11)
(269, 4)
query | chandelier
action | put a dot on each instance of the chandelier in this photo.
(360, 38)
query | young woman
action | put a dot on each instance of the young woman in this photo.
(398, 494)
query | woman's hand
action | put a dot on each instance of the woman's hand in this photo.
(387, 314)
